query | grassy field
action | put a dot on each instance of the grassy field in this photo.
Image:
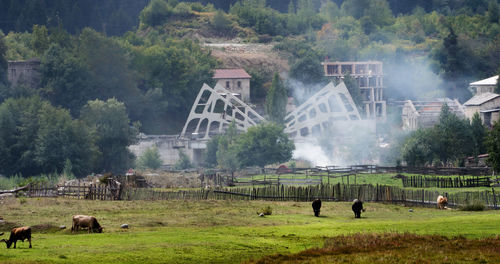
(213, 231)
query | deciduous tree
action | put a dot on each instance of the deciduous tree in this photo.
(113, 133)
(262, 145)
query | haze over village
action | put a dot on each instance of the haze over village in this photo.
(254, 131)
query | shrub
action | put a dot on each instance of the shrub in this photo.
(474, 206)
(267, 210)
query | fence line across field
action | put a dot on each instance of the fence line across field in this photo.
(335, 192)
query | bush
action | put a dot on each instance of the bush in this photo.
(183, 162)
(150, 159)
(474, 206)
(266, 210)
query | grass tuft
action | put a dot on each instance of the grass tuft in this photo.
(474, 206)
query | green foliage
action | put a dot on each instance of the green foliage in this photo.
(65, 80)
(493, 146)
(260, 82)
(226, 149)
(156, 13)
(276, 101)
(448, 142)
(221, 23)
(478, 134)
(112, 133)
(307, 70)
(417, 149)
(150, 159)
(493, 11)
(183, 163)
(453, 136)
(211, 152)
(40, 39)
(3, 66)
(473, 206)
(262, 145)
(353, 88)
(38, 138)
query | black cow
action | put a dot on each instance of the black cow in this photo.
(357, 207)
(316, 207)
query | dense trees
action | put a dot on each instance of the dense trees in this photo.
(493, 146)
(262, 145)
(38, 138)
(447, 143)
(259, 146)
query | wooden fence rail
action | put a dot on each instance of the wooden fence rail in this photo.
(335, 192)
(79, 191)
(445, 182)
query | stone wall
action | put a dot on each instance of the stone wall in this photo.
(24, 73)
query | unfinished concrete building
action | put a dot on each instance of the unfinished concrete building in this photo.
(424, 114)
(369, 75)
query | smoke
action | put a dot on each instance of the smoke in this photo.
(412, 79)
(343, 143)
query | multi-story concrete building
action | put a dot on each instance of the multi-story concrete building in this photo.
(369, 75)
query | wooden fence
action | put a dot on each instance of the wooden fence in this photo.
(475, 171)
(445, 182)
(335, 192)
(78, 191)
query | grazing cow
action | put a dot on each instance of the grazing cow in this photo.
(85, 221)
(18, 233)
(442, 202)
(357, 207)
(316, 207)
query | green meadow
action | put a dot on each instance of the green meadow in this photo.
(213, 231)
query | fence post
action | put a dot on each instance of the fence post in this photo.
(494, 198)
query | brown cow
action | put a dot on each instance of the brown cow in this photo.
(18, 233)
(442, 202)
(85, 221)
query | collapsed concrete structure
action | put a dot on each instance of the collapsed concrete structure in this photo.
(214, 110)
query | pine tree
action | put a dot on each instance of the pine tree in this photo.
(276, 101)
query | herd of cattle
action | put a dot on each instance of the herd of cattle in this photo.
(90, 222)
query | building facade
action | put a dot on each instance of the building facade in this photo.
(370, 77)
(236, 81)
(24, 73)
(424, 114)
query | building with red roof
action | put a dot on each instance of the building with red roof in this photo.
(237, 81)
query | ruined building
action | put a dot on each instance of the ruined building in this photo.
(424, 114)
(24, 73)
(215, 108)
(369, 75)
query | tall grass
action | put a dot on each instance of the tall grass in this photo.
(17, 180)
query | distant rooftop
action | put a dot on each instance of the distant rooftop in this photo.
(481, 98)
(231, 74)
(489, 81)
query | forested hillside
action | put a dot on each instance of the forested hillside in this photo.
(149, 56)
